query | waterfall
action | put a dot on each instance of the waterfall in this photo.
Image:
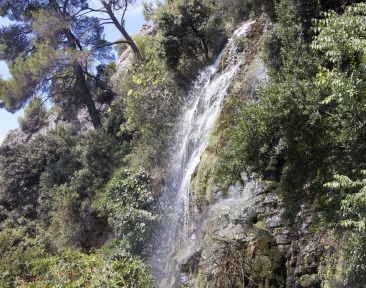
(191, 138)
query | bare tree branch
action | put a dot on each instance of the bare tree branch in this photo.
(110, 10)
(98, 81)
(110, 44)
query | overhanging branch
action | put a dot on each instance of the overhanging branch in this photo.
(110, 44)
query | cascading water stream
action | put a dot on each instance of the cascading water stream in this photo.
(191, 139)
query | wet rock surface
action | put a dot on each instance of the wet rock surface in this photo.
(248, 231)
(191, 263)
(266, 247)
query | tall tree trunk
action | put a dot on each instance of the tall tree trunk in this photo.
(82, 87)
(87, 97)
(119, 26)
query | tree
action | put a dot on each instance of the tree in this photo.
(34, 115)
(183, 25)
(111, 7)
(311, 114)
(22, 166)
(52, 49)
(353, 220)
(342, 39)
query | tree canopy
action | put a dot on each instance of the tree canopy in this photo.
(52, 48)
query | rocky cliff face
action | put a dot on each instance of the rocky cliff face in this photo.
(79, 121)
(245, 242)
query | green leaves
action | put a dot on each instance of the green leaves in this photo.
(353, 195)
(34, 115)
(76, 269)
(341, 37)
(312, 110)
(353, 220)
(184, 28)
(312, 117)
(149, 97)
(53, 54)
(125, 202)
(48, 24)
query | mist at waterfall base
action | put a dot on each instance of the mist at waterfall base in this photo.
(173, 238)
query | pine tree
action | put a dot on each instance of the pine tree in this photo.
(51, 49)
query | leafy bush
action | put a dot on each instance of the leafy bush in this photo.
(125, 202)
(149, 98)
(188, 29)
(72, 268)
(352, 197)
(22, 167)
(18, 250)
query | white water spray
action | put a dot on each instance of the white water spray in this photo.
(191, 139)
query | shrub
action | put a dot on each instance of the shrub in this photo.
(125, 202)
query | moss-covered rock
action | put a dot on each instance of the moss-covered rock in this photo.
(203, 181)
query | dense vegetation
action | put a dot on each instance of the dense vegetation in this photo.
(75, 209)
(311, 118)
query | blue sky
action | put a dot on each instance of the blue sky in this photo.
(134, 21)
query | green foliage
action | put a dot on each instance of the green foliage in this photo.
(103, 93)
(352, 194)
(42, 212)
(125, 202)
(71, 183)
(22, 166)
(18, 249)
(295, 116)
(285, 40)
(65, 223)
(33, 267)
(237, 11)
(56, 175)
(192, 31)
(72, 268)
(54, 55)
(147, 10)
(311, 115)
(342, 39)
(18, 262)
(149, 98)
(187, 30)
(270, 126)
(34, 115)
(175, 22)
(120, 47)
